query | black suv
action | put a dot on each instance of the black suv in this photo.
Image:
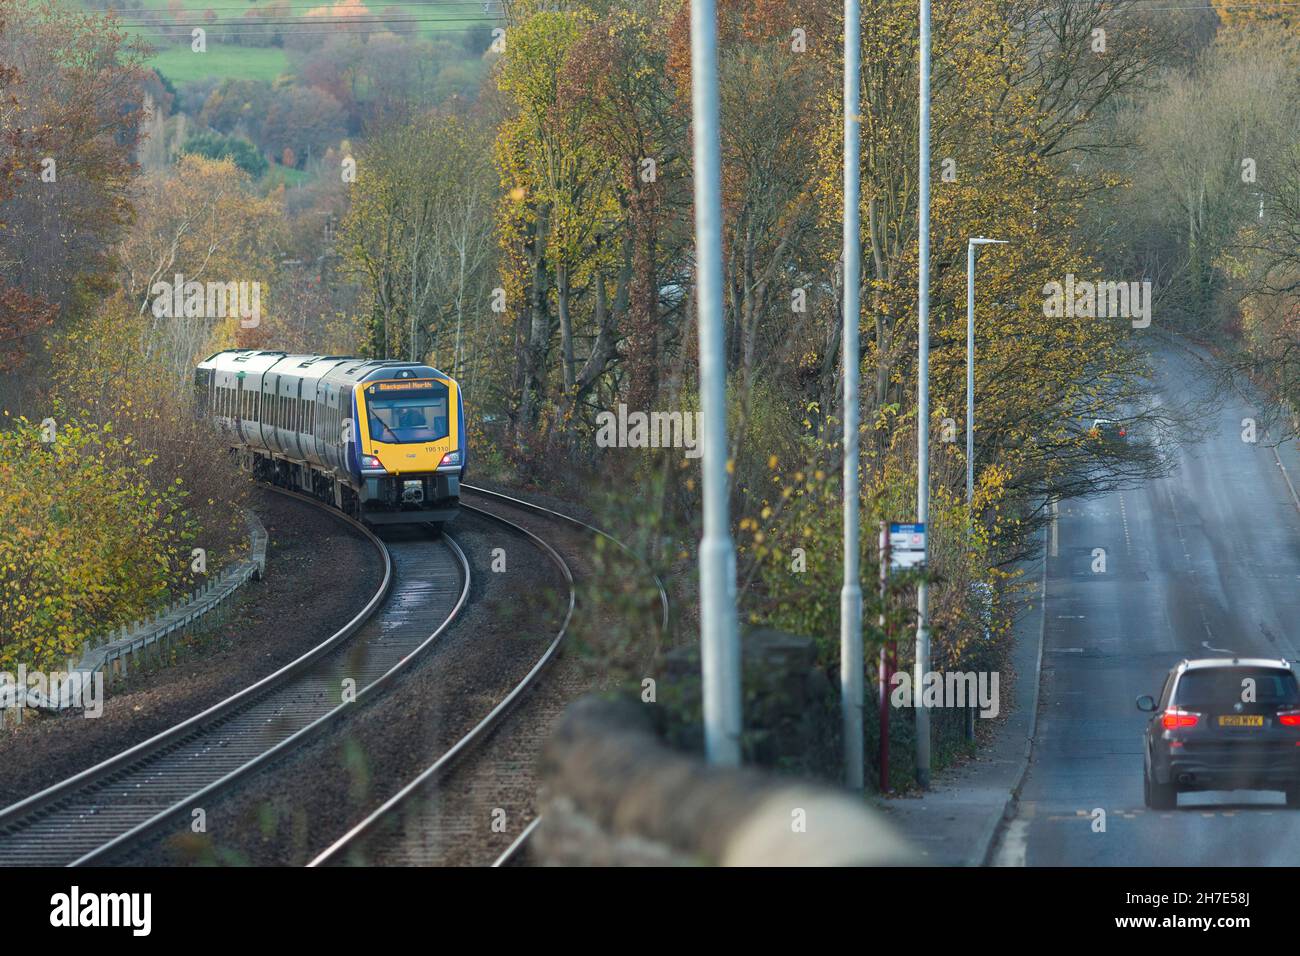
(1223, 724)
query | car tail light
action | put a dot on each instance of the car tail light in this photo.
(1289, 718)
(1122, 433)
(1175, 719)
(451, 458)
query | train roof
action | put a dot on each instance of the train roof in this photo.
(357, 369)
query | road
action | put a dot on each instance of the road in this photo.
(1207, 557)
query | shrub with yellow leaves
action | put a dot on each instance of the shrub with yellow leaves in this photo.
(87, 542)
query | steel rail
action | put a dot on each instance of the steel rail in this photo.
(35, 810)
(484, 728)
(664, 622)
(513, 849)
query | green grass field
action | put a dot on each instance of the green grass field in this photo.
(180, 65)
(221, 60)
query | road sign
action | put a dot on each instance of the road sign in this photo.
(906, 546)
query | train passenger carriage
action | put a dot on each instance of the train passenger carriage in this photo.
(382, 440)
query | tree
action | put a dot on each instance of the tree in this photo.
(305, 120)
(417, 235)
(238, 107)
(560, 197)
(70, 98)
(215, 146)
(771, 95)
(199, 220)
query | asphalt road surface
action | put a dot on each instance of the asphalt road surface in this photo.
(1202, 561)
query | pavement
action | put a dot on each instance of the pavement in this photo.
(955, 822)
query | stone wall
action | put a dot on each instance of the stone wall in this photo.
(624, 783)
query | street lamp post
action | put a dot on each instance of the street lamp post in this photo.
(852, 676)
(922, 662)
(720, 644)
(971, 244)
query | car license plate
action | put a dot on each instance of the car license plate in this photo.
(1241, 720)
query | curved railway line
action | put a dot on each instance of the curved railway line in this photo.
(410, 807)
(121, 800)
(119, 803)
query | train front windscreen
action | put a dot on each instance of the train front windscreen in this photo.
(406, 412)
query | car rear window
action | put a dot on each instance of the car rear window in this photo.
(1226, 685)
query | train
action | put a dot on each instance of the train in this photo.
(381, 440)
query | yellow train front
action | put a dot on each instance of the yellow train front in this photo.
(382, 440)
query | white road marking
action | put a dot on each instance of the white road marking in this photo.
(1123, 517)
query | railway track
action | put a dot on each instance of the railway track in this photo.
(404, 829)
(120, 801)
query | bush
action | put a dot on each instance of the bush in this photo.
(87, 542)
(215, 146)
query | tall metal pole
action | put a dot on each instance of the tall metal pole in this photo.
(852, 671)
(886, 658)
(970, 373)
(719, 642)
(923, 408)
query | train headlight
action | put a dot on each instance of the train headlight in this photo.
(451, 458)
(370, 461)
